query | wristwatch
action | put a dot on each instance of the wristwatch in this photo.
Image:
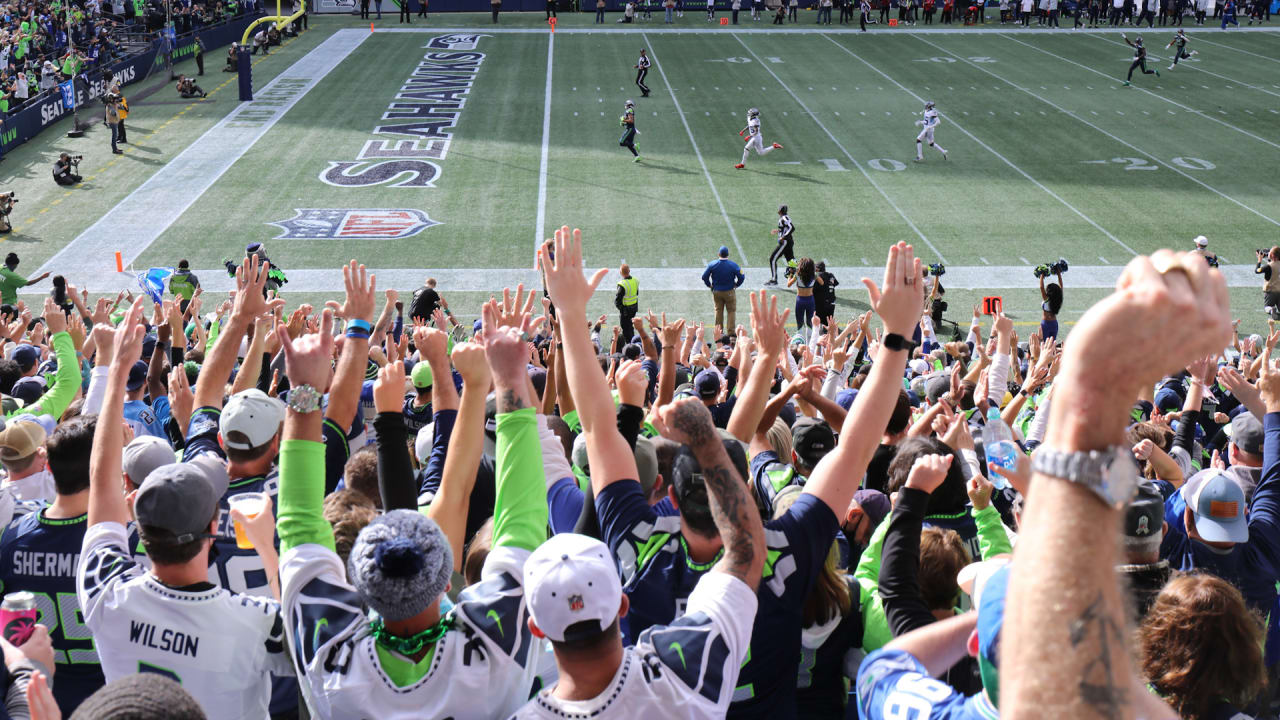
(896, 342)
(304, 399)
(1111, 474)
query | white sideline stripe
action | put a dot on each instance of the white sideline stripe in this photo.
(1152, 94)
(1127, 144)
(539, 232)
(652, 279)
(765, 31)
(992, 150)
(698, 153)
(1191, 66)
(847, 154)
(144, 214)
(1197, 38)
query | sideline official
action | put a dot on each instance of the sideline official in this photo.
(627, 300)
(642, 70)
(724, 276)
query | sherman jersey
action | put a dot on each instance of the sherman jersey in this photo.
(39, 555)
(221, 647)
(483, 667)
(894, 684)
(687, 669)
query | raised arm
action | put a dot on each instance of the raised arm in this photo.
(106, 502)
(344, 393)
(897, 303)
(452, 502)
(769, 328)
(251, 276)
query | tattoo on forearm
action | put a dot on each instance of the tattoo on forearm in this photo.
(1102, 684)
(729, 508)
(509, 401)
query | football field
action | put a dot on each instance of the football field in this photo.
(449, 151)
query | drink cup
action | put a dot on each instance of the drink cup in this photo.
(18, 615)
(251, 504)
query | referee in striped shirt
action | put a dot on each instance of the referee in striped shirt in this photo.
(642, 69)
(786, 245)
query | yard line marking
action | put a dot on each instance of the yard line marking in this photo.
(868, 37)
(1127, 144)
(985, 261)
(1104, 260)
(138, 220)
(663, 278)
(697, 153)
(991, 150)
(1200, 69)
(1232, 47)
(540, 229)
(847, 154)
(1154, 95)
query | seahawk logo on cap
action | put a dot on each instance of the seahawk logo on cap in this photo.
(575, 603)
(1143, 528)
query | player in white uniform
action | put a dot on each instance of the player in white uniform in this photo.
(754, 140)
(221, 647)
(929, 122)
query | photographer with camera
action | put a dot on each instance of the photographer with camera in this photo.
(112, 101)
(6, 206)
(937, 305)
(10, 281)
(122, 108)
(1269, 268)
(1051, 295)
(64, 171)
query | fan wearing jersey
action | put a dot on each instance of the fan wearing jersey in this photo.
(417, 407)
(476, 661)
(1139, 58)
(629, 131)
(221, 647)
(755, 141)
(930, 123)
(1180, 52)
(785, 248)
(662, 558)
(38, 555)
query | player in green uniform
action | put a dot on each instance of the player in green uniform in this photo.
(629, 132)
(1181, 52)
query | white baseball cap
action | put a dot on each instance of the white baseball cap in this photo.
(569, 579)
(1201, 241)
(253, 413)
(423, 440)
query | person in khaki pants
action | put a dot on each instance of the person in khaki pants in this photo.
(724, 276)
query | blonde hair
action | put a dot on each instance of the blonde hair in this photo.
(779, 437)
(829, 597)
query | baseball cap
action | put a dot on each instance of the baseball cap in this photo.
(875, 505)
(724, 251)
(19, 440)
(26, 356)
(571, 579)
(45, 421)
(28, 389)
(845, 398)
(707, 384)
(1246, 433)
(686, 475)
(1144, 518)
(137, 376)
(936, 386)
(144, 454)
(423, 441)
(254, 414)
(400, 564)
(1201, 241)
(538, 376)
(421, 375)
(919, 366)
(646, 463)
(180, 499)
(1218, 504)
(476, 327)
(812, 439)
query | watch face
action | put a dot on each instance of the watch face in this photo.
(1119, 477)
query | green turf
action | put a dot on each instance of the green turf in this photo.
(1038, 128)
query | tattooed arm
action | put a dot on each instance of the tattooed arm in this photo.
(1069, 657)
(736, 517)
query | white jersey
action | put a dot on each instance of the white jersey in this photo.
(37, 486)
(931, 118)
(753, 127)
(482, 668)
(687, 669)
(221, 647)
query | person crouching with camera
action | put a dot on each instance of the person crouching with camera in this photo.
(6, 206)
(112, 101)
(64, 171)
(1269, 268)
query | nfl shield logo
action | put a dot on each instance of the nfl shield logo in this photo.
(575, 603)
(341, 223)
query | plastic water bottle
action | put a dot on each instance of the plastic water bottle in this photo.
(1000, 448)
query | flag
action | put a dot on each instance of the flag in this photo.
(152, 282)
(68, 94)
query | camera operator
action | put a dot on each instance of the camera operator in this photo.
(1051, 295)
(64, 170)
(112, 101)
(1269, 268)
(188, 89)
(937, 305)
(6, 206)
(122, 107)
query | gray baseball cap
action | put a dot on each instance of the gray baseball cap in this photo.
(144, 454)
(180, 498)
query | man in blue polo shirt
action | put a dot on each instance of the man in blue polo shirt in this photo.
(724, 276)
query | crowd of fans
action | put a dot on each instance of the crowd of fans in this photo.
(539, 518)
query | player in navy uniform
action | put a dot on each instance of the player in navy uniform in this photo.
(1180, 53)
(1139, 58)
(629, 131)
(642, 69)
(785, 248)
(38, 554)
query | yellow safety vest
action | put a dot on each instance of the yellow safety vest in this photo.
(630, 290)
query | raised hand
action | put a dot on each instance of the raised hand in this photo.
(54, 318)
(127, 344)
(308, 360)
(433, 344)
(687, 421)
(469, 360)
(898, 300)
(768, 325)
(251, 277)
(512, 310)
(671, 331)
(632, 383)
(568, 288)
(928, 472)
(361, 288)
(388, 389)
(980, 490)
(506, 346)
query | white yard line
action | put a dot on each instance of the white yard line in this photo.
(991, 150)
(840, 145)
(1142, 89)
(135, 222)
(539, 233)
(677, 279)
(1198, 38)
(742, 255)
(811, 30)
(1127, 144)
(1193, 66)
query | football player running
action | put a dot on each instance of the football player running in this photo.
(930, 121)
(751, 133)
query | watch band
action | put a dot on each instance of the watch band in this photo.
(896, 342)
(304, 399)
(1111, 474)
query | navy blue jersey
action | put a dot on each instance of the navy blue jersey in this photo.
(202, 438)
(893, 685)
(769, 476)
(820, 687)
(40, 555)
(658, 575)
(415, 417)
(238, 569)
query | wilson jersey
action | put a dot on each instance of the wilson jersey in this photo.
(753, 127)
(931, 118)
(221, 647)
(893, 684)
(482, 668)
(691, 664)
(39, 555)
